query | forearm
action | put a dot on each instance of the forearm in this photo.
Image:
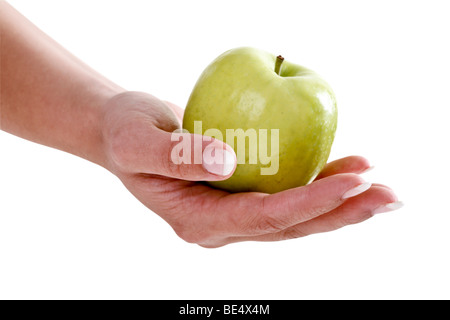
(47, 95)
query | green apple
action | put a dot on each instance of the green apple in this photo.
(285, 114)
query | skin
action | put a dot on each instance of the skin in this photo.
(50, 97)
(241, 90)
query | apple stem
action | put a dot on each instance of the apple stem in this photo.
(278, 63)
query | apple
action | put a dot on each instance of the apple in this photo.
(279, 117)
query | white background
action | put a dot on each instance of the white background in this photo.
(69, 229)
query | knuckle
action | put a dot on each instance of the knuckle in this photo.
(177, 167)
(292, 233)
(270, 224)
(267, 220)
(254, 224)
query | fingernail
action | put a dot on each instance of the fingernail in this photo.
(388, 207)
(357, 190)
(218, 161)
(368, 169)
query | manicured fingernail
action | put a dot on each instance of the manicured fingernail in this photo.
(357, 190)
(218, 161)
(368, 169)
(388, 207)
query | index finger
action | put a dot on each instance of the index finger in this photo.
(257, 213)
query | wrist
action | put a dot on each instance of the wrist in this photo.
(98, 151)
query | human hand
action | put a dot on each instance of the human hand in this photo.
(137, 138)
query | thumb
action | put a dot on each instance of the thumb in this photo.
(183, 156)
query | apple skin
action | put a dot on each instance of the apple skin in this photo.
(240, 89)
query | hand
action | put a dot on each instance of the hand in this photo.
(137, 135)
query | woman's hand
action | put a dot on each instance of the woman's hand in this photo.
(50, 97)
(137, 132)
